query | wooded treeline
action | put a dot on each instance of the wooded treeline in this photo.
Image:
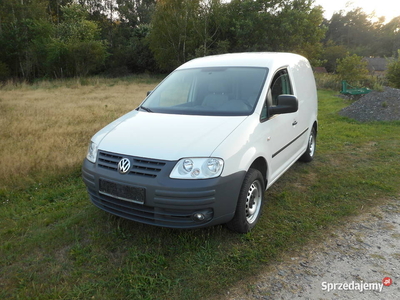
(65, 38)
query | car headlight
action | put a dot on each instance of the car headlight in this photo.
(197, 168)
(92, 152)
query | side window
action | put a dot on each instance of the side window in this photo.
(280, 85)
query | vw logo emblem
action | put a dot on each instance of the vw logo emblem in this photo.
(124, 165)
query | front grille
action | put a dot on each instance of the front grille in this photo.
(146, 167)
(108, 160)
(139, 166)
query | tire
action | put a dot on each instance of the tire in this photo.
(311, 147)
(249, 205)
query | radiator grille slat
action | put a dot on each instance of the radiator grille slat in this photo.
(139, 166)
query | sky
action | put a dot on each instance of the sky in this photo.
(386, 8)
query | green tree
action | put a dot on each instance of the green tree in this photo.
(42, 33)
(173, 37)
(265, 25)
(298, 28)
(135, 12)
(77, 49)
(135, 54)
(331, 54)
(54, 9)
(249, 25)
(352, 68)
(128, 38)
(19, 21)
(182, 29)
(208, 24)
(358, 32)
(388, 40)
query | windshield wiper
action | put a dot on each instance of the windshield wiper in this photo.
(145, 109)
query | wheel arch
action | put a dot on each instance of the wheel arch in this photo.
(315, 127)
(261, 165)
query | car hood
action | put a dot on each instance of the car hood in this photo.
(166, 136)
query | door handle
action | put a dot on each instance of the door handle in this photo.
(294, 123)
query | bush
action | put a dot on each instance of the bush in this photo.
(327, 81)
(352, 69)
(393, 73)
(333, 82)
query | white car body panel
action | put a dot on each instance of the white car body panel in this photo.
(167, 136)
(172, 137)
(177, 123)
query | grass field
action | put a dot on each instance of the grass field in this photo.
(56, 245)
(46, 128)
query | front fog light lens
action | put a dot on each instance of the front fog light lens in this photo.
(203, 216)
(199, 216)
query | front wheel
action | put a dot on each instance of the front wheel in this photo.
(311, 146)
(251, 198)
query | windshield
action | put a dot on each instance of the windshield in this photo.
(231, 91)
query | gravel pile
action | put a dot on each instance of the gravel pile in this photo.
(375, 106)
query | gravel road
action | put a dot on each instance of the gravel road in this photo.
(351, 263)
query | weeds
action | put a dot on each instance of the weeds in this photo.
(328, 82)
(77, 82)
(334, 83)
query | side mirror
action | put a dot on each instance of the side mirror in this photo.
(148, 93)
(286, 104)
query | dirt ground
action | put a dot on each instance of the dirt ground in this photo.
(358, 260)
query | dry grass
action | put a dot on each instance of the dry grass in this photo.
(47, 129)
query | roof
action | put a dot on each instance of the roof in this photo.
(376, 63)
(320, 70)
(270, 60)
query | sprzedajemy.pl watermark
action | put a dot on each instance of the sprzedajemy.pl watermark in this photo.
(356, 286)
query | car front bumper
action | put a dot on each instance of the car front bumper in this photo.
(147, 194)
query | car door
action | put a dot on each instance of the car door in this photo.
(281, 130)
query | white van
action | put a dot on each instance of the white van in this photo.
(207, 142)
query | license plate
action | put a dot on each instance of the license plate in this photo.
(121, 191)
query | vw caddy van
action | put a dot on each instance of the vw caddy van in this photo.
(207, 142)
